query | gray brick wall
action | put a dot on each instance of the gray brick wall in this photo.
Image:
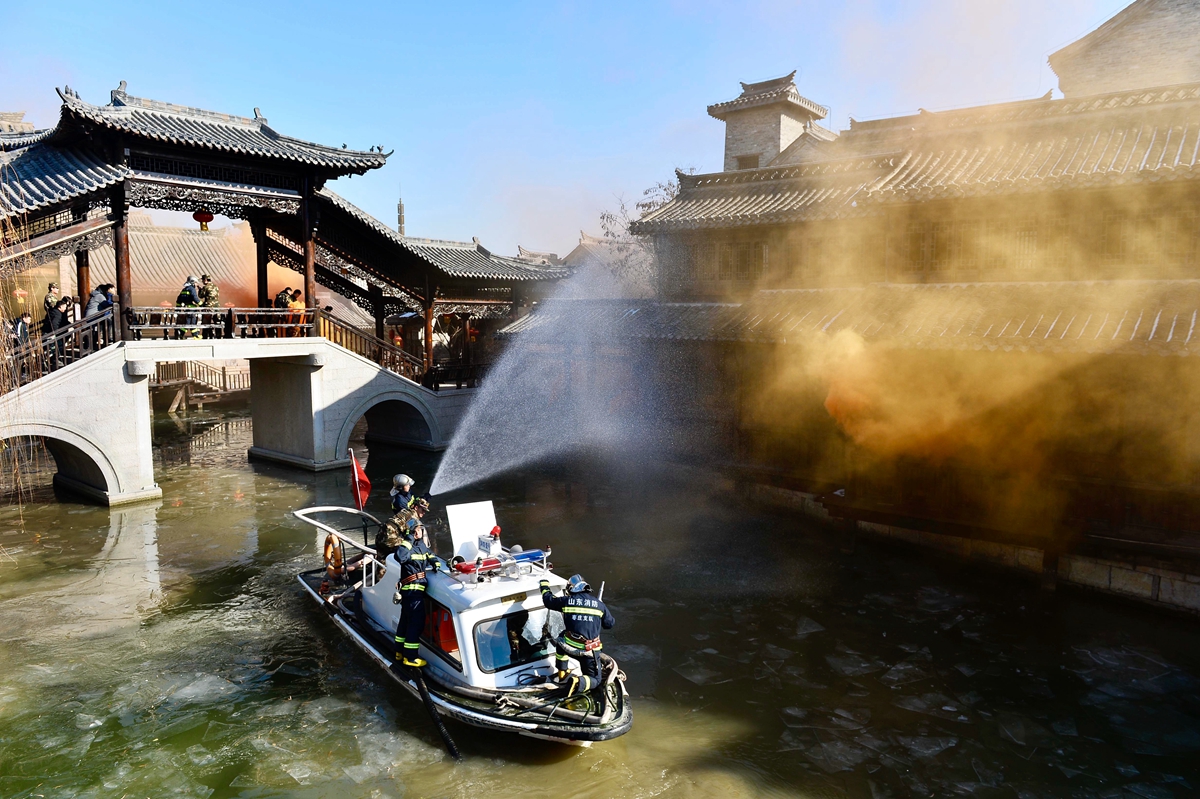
(765, 131)
(1158, 47)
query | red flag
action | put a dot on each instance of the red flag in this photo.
(360, 486)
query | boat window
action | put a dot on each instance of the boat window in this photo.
(516, 638)
(439, 632)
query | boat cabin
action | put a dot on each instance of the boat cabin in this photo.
(485, 626)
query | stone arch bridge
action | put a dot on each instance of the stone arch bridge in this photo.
(307, 394)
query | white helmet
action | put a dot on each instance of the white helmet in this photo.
(400, 482)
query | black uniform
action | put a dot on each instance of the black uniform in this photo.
(414, 558)
(584, 616)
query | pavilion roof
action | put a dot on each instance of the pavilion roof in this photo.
(195, 127)
(38, 176)
(769, 92)
(454, 259)
(1031, 146)
(1137, 316)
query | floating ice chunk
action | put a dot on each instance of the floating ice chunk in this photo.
(793, 716)
(1126, 770)
(986, 775)
(790, 741)
(200, 756)
(1023, 731)
(836, 756)
(933, 705)
(361, 773)
(966, 670)
(852, 665)
(85, 722)
(693, 672)
(903, 673)
(806, 626)
(776, 652)
(300, 771)
(205, 688)
(1150, 791)
(632, 653)
(926, 747)
(1066, 727)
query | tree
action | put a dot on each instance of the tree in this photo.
(631, 258)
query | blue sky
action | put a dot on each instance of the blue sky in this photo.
(520, 123)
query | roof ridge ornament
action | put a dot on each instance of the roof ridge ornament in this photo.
(119, 94)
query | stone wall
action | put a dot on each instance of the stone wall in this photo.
(1154, 584)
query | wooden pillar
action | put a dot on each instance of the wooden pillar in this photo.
(377, 308)
(121, 248)
(83, 278)
(310, 245)
(429, 336)
(259, 229)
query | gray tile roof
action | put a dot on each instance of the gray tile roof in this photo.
(175, 124)
(1043, 145)
(39, 176)
(161, 258)
(769, 92)
(1098, 317)
(470, 261)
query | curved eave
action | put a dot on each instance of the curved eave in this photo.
(217, 137)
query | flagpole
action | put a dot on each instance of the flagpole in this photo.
(356, 489)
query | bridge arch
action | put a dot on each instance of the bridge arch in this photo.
(396, 417)
(82, 465)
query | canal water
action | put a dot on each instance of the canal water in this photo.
(166, 650)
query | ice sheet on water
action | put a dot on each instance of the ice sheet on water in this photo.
(806, 626)
(1150, 791)
(205, 688)
(699, 674)
(852, 664)
(926, 747)
(835, 756)
(1066, 727)
(933, 704)
(1023, 731)
(632, 653)
(903, 673)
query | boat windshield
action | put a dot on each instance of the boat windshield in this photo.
(516, 638)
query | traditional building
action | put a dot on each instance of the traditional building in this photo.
(951, 325)
(68, 190)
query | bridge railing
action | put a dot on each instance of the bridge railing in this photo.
(385, 354)
(184, 323)
(45, 354)
(177, 373)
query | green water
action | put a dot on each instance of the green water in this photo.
(167, 651)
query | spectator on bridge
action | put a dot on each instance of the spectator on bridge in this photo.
(188, 297)
(51, 299)
(283, 298)
(210, 299)
(296, 306)
(56, 319)
(20, 329)
(100, 300)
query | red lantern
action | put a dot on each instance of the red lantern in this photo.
(203, 217)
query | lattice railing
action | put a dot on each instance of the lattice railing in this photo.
(42, 355)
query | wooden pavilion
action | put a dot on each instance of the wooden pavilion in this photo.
(69, 189)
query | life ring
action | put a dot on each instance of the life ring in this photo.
(334, 566)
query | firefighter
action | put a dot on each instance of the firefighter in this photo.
(415, 559)
(210, 298)
(402, 495)
(188, 297)
(584, 616)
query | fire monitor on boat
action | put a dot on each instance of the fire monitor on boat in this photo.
(489, 637)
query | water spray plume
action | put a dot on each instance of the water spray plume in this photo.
(546, 396)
